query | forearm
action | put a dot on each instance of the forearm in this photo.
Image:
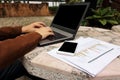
(10, 32)
(17, 47)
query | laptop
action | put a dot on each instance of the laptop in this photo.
(66, 22)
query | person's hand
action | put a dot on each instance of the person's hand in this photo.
(44, 32)
(32, 27)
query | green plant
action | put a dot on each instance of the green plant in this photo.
(99, 3)
(105, 16)
(53, 9)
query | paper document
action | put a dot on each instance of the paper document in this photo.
(92, 49)
(92, 55)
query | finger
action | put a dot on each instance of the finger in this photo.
(40, 23)
(49, 29)
(37, 26)
(51, 33)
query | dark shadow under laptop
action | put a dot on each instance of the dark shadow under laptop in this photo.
(66, 22)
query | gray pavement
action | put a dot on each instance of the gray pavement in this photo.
(20, 21)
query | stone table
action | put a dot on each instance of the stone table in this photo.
(116, 28)
(40, 64)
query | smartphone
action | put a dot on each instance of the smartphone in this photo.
(67, 48)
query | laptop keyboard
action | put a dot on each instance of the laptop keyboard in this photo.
(56, 36)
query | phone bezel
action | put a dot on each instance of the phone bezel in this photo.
(67, 53)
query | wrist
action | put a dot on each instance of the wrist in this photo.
(42, 37)
(24, 30)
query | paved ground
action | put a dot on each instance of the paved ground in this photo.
(13, 21)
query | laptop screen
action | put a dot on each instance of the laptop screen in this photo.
(70, 15)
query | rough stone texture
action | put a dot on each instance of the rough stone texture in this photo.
(21, 21)
(116, 28)
(20, 9)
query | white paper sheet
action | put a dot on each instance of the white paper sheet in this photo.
(80, 62)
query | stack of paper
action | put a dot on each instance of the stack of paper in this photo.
(91, 55)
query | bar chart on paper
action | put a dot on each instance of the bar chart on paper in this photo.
(92, 50)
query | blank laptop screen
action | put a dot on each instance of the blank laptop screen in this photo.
(69, 16)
